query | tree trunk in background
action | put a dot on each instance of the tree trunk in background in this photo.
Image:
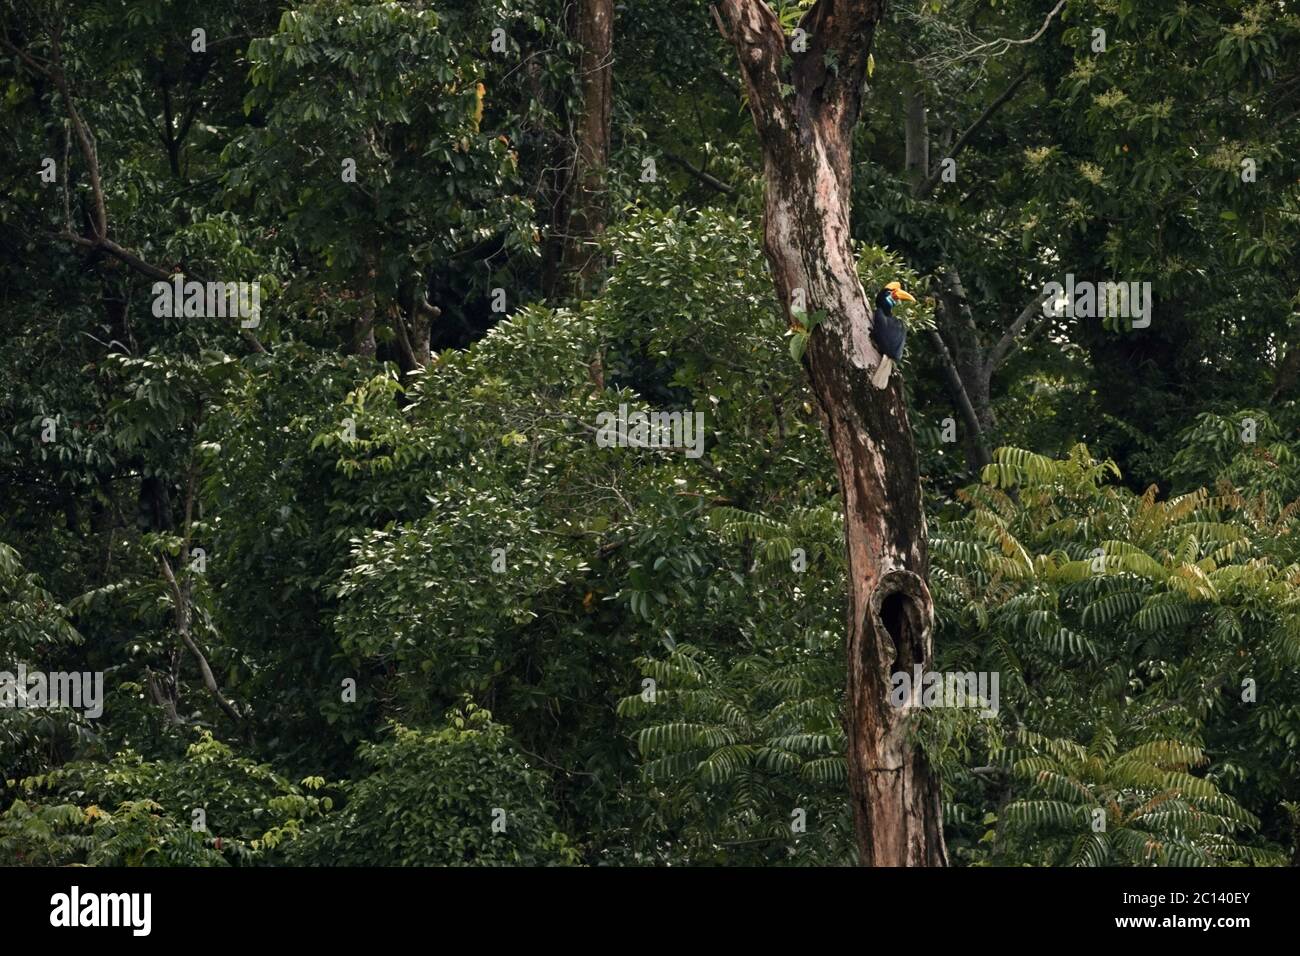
(968, 375)
(917, 135)
(361, 340)
(1287, 370)
(806, 136)
(956, 341)
(584, 222)
(966, 365)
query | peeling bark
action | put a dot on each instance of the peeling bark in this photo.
(805, 118)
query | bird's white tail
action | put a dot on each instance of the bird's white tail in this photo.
(881, 377)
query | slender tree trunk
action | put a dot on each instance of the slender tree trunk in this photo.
(968, 374)
(1287, 371)
(917, 134)
(805, 114)
(361, 340)
(973, 440)
(956, 343)
(582, 262)
(967, 366)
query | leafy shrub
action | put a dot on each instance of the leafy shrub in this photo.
(249, 811)
(431, 798)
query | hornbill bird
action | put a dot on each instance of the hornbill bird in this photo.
(888, 332)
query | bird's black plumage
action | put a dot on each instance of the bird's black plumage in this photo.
(888, 332)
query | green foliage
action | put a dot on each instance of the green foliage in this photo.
(1161, 618)
(747, 759)
(35, 631)
(132, 812)
(1095, 806)
(136, 834)
(456, 796)
(399, 91)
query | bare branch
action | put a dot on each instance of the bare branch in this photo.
(162, 699)
(709, 180)
(1003, 44)
(971, 130)
(90, 155)
(957, 389)
(183, 629)
(85, 140)
(1007, 343)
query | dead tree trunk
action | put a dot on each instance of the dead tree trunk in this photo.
(805, 106)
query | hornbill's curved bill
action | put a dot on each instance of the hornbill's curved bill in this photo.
(889, 333)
